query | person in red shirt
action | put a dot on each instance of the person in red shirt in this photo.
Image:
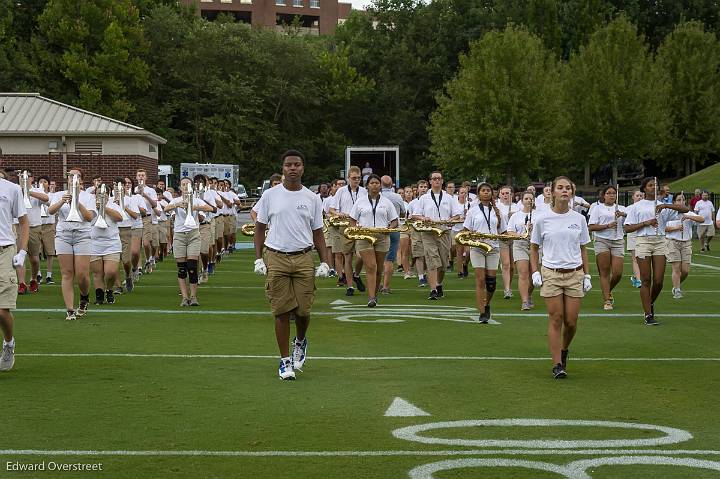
(695, 199)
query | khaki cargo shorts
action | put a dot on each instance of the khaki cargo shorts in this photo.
(35, 241)
(125, 241)
(8, 278)
(480, 259)
(437, 250)
(614, 247)
(646, 246)
(556, 283)
(48, 239)
(290, 284)
(186, 244)
(382, 245)
(678, 250)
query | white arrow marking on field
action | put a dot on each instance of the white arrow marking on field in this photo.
(340, 301)
(402, 408)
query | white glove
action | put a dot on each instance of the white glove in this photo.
(537, 279)
(19, 259)
(260, 267)
(587, 285)
(322, 271)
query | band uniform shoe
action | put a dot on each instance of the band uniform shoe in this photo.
(385, 291)
(332, 273)
(612, 298)
(702, 250)
(185, 303)
(485, 315)
(118, 290)
(201, 278)
(71, 316)
(372, 303)
(299, 352)
(22, 288)
(707, 247)
(440, 291)
(341, 280)
(408, 276)
(635, 282)
(608, 306)
(194, 301)
(99, 296)
(359, 283)
(38, 278)
(129, 284)
(507, 294)
(82, 308)
(525, 306)
(559, 372)
(677, 293)
(422, 283)
(563, 358)
(531, 304)
(650, 320)
(350, 291)
(461, 274)
(433, 295)
(211, 268)
(285, 371)
(109, 297)
(7, 357)
(49, 280)
(34, 288)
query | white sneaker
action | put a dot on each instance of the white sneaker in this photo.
(677, 293)
(285, 371)
(7, 358)
(299, 352)
(508, 294)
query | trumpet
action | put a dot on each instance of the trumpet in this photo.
(140, 188)
(434, 226)
(188, 196)
(120, 195)
(25, 185)
(477, 239)
(102, 201)
(74, 214)
(371, 234)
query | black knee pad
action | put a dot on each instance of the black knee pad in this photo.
(490, 284)
(192, 265)
(182, 270)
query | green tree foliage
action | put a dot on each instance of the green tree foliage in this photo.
(691, 58)
(616, 99)
(502, 115)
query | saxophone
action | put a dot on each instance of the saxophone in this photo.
(248, 229)
(477, 239)
(434, 226)
(371, 234)
(338, 221)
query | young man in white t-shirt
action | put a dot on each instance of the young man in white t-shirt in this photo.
(292, 217)
(706, 229)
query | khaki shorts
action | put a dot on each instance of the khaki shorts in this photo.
(205, 238)
(505, 245)
(137, 233)
(555, 283)
(521, 250)
(186, 244)
(162, 232)
(108, 257)
(344, 245)
(614, 247)
(233, 223)
(227, 226)
(290, 284)
(678, 250)
(705, 230)
(631, 240)
(650, 246)
(416, 245)
(8, 279)
(150, 232)
(126, 241)
(35, 241)
(48, 239)
(480, 259)
(382, 245)
(219, 227)
(437, 250)
(336, 239)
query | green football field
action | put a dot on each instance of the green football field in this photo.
(413, 388)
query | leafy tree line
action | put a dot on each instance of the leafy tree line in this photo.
(500, 88)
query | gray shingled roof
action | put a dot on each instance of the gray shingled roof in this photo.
(29, 114)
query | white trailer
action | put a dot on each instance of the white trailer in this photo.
(221, 172)
(384, 160)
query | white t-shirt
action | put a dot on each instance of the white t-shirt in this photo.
(381, 217)
(683, 235)
(34, 214)
(439, 206)
(291, 216)
(465, 207)
(87, 200)
(162, 203)
(106, 240)
(519, 221)
(560, 236)
(12, 207)
(345, 199)
(483, 219)
(601, 214)
(507, 210)
(644, 210)
(181, 214)
(705, 209)
(137, 202)
(209, 196)
(577, 203)
(327, 202)
(131, 205)
(152, 194)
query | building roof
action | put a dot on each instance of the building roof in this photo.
(29, 114)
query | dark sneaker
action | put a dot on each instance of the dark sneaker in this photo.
(372, 303)
(487, 312)
(70, 316)
(563, 358)
(118, 290)
(652, 309)
(460, 274)
(440, 291)
(129, 285)
(358, 282)
(341, 280)
(83, 307)
(650, 320)
(332, 273)
(559, 371)
(483, 319)
(433, 295)
(109, 296)
(350, 291)
(422, 282)
(194, 301)
(49, 280)
(99, 296)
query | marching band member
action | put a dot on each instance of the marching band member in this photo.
(416, 244)
(137, 231)
(345, 199)
(399, 205)
(207, 233)
(106, 246)
(125, 231)
(485, 218)
(162, 224)
(606, 222)
(543, 202)
(436, 206)
(507, 208)
(404, 249)
(706, 229)
(631, 238)
(648, 219)
(48, 230)
(186, 244)
(149, 220)
(373, 210)
(12, 208)
(564, 276)
(219, 225)
(678, 232)
(38, 200)
(330, 232)
(294, 217)
(517, 225)
(461, 252)
(73, 244)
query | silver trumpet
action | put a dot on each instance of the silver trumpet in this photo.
(43, 207)
(102, 197)
(25, 185)
(120, 195)
(188, 195)
(140, 187)
(74, 215)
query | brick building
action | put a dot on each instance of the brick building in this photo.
(317, 17)
(50, 137)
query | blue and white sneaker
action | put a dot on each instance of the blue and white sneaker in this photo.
(299, 352)
(285, 371)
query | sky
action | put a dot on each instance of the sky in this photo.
(358, 4)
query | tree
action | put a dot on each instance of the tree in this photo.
(501, 115)
(616, 99)
(691, 58)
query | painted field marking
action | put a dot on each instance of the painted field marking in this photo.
(402, 408)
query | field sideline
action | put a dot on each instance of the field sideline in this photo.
(411, 389)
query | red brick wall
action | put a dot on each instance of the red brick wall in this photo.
(109, 166)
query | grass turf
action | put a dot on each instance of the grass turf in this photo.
(705, 179)
(93, 397)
